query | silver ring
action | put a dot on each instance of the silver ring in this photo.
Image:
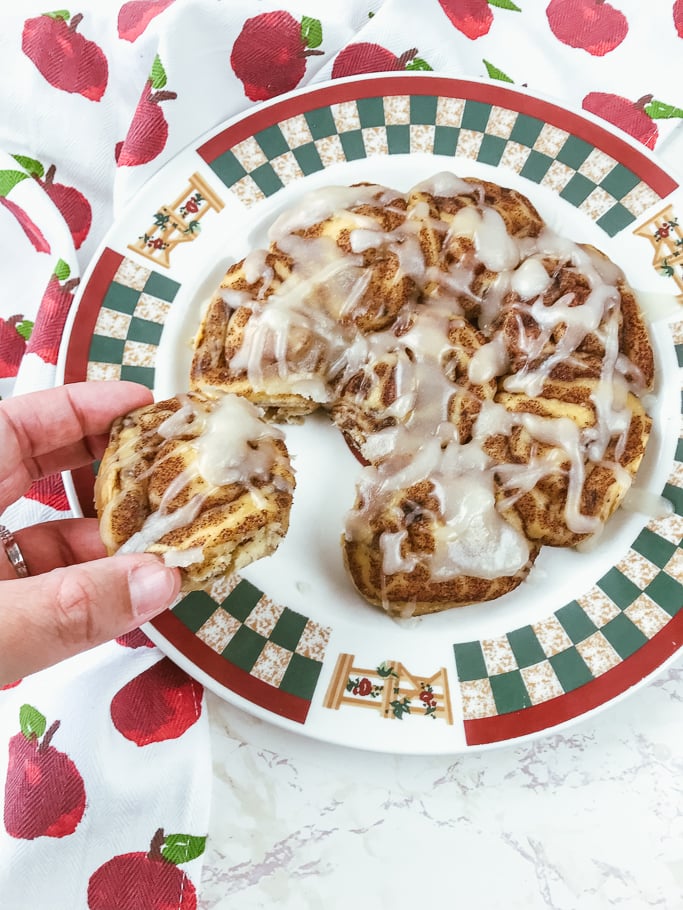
(14, 554)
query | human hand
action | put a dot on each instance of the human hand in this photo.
(75, 596)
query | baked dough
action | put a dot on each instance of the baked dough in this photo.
(489, 372)
(200, 480)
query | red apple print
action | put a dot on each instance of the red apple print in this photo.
(678, 17)
(591, 25)
(148, 132)
(8, 180)
(135, 639)
(148, 881)
(63, 56)
(32, 231)
(12, 345)
(474, 17)
(364, 57)
(471, 17)
(159, 704)
(10, 685)
(269, 54)
(50, 491)
(54, 308)
(44, 792)
(73, 205)
(635, 117)
(134, 17)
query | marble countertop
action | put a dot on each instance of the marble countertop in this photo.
(588, 818)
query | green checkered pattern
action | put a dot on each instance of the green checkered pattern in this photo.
(587, 178)
(272, 643)
(588, 636)
(679, 353)
(129, 325)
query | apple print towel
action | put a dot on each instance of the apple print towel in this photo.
(104, 760)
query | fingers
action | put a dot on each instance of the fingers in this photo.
(53, 544)
(47, 618)
(58, 429)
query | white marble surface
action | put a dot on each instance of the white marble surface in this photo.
(591, 818)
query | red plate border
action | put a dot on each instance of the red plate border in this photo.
(599, 691)
(76, 360)
(266, 696)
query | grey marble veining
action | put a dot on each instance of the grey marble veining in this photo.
(591, 817)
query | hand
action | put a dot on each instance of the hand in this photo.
(76, 597)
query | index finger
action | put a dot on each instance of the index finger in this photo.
(58, 429)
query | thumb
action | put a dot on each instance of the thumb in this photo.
(47, 618)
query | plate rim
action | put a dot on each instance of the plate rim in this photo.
(347, 87)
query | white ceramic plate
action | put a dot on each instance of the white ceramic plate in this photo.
(290, 640)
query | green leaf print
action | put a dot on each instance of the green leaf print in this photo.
(495, 73)
(9, 179)
(505, 4)
(417, 63)
(181, 848)
(62, 270)
(24, 328)
(35, 168)
(311, 32)
(32, 722)
(158, 74)
(658, 110)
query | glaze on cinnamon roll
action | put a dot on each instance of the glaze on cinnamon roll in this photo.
(490, 372)
(202, 481)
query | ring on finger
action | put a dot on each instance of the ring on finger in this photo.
(14, 554)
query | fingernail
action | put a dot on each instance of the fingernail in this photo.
(153, 587)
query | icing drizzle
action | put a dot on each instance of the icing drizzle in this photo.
(324, 328)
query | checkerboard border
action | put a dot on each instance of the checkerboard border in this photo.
(256, 165)
(129, 324)
(266, 653)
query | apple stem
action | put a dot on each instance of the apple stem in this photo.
(50, 175)
(155, 845)
(157, 97)
(74, 23)
(406, 57)
(70, 285)
(45, 742)
(312, 53)
(641, 102)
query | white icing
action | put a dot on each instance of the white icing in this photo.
(321, 204)
(392, 560)
(647, 503)
(475, 540)
(530, 279)
(489, 361)
(181, 559)
(304, 335)
(160, 523)
(494, 246)
(229, 443)
(228, 449)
